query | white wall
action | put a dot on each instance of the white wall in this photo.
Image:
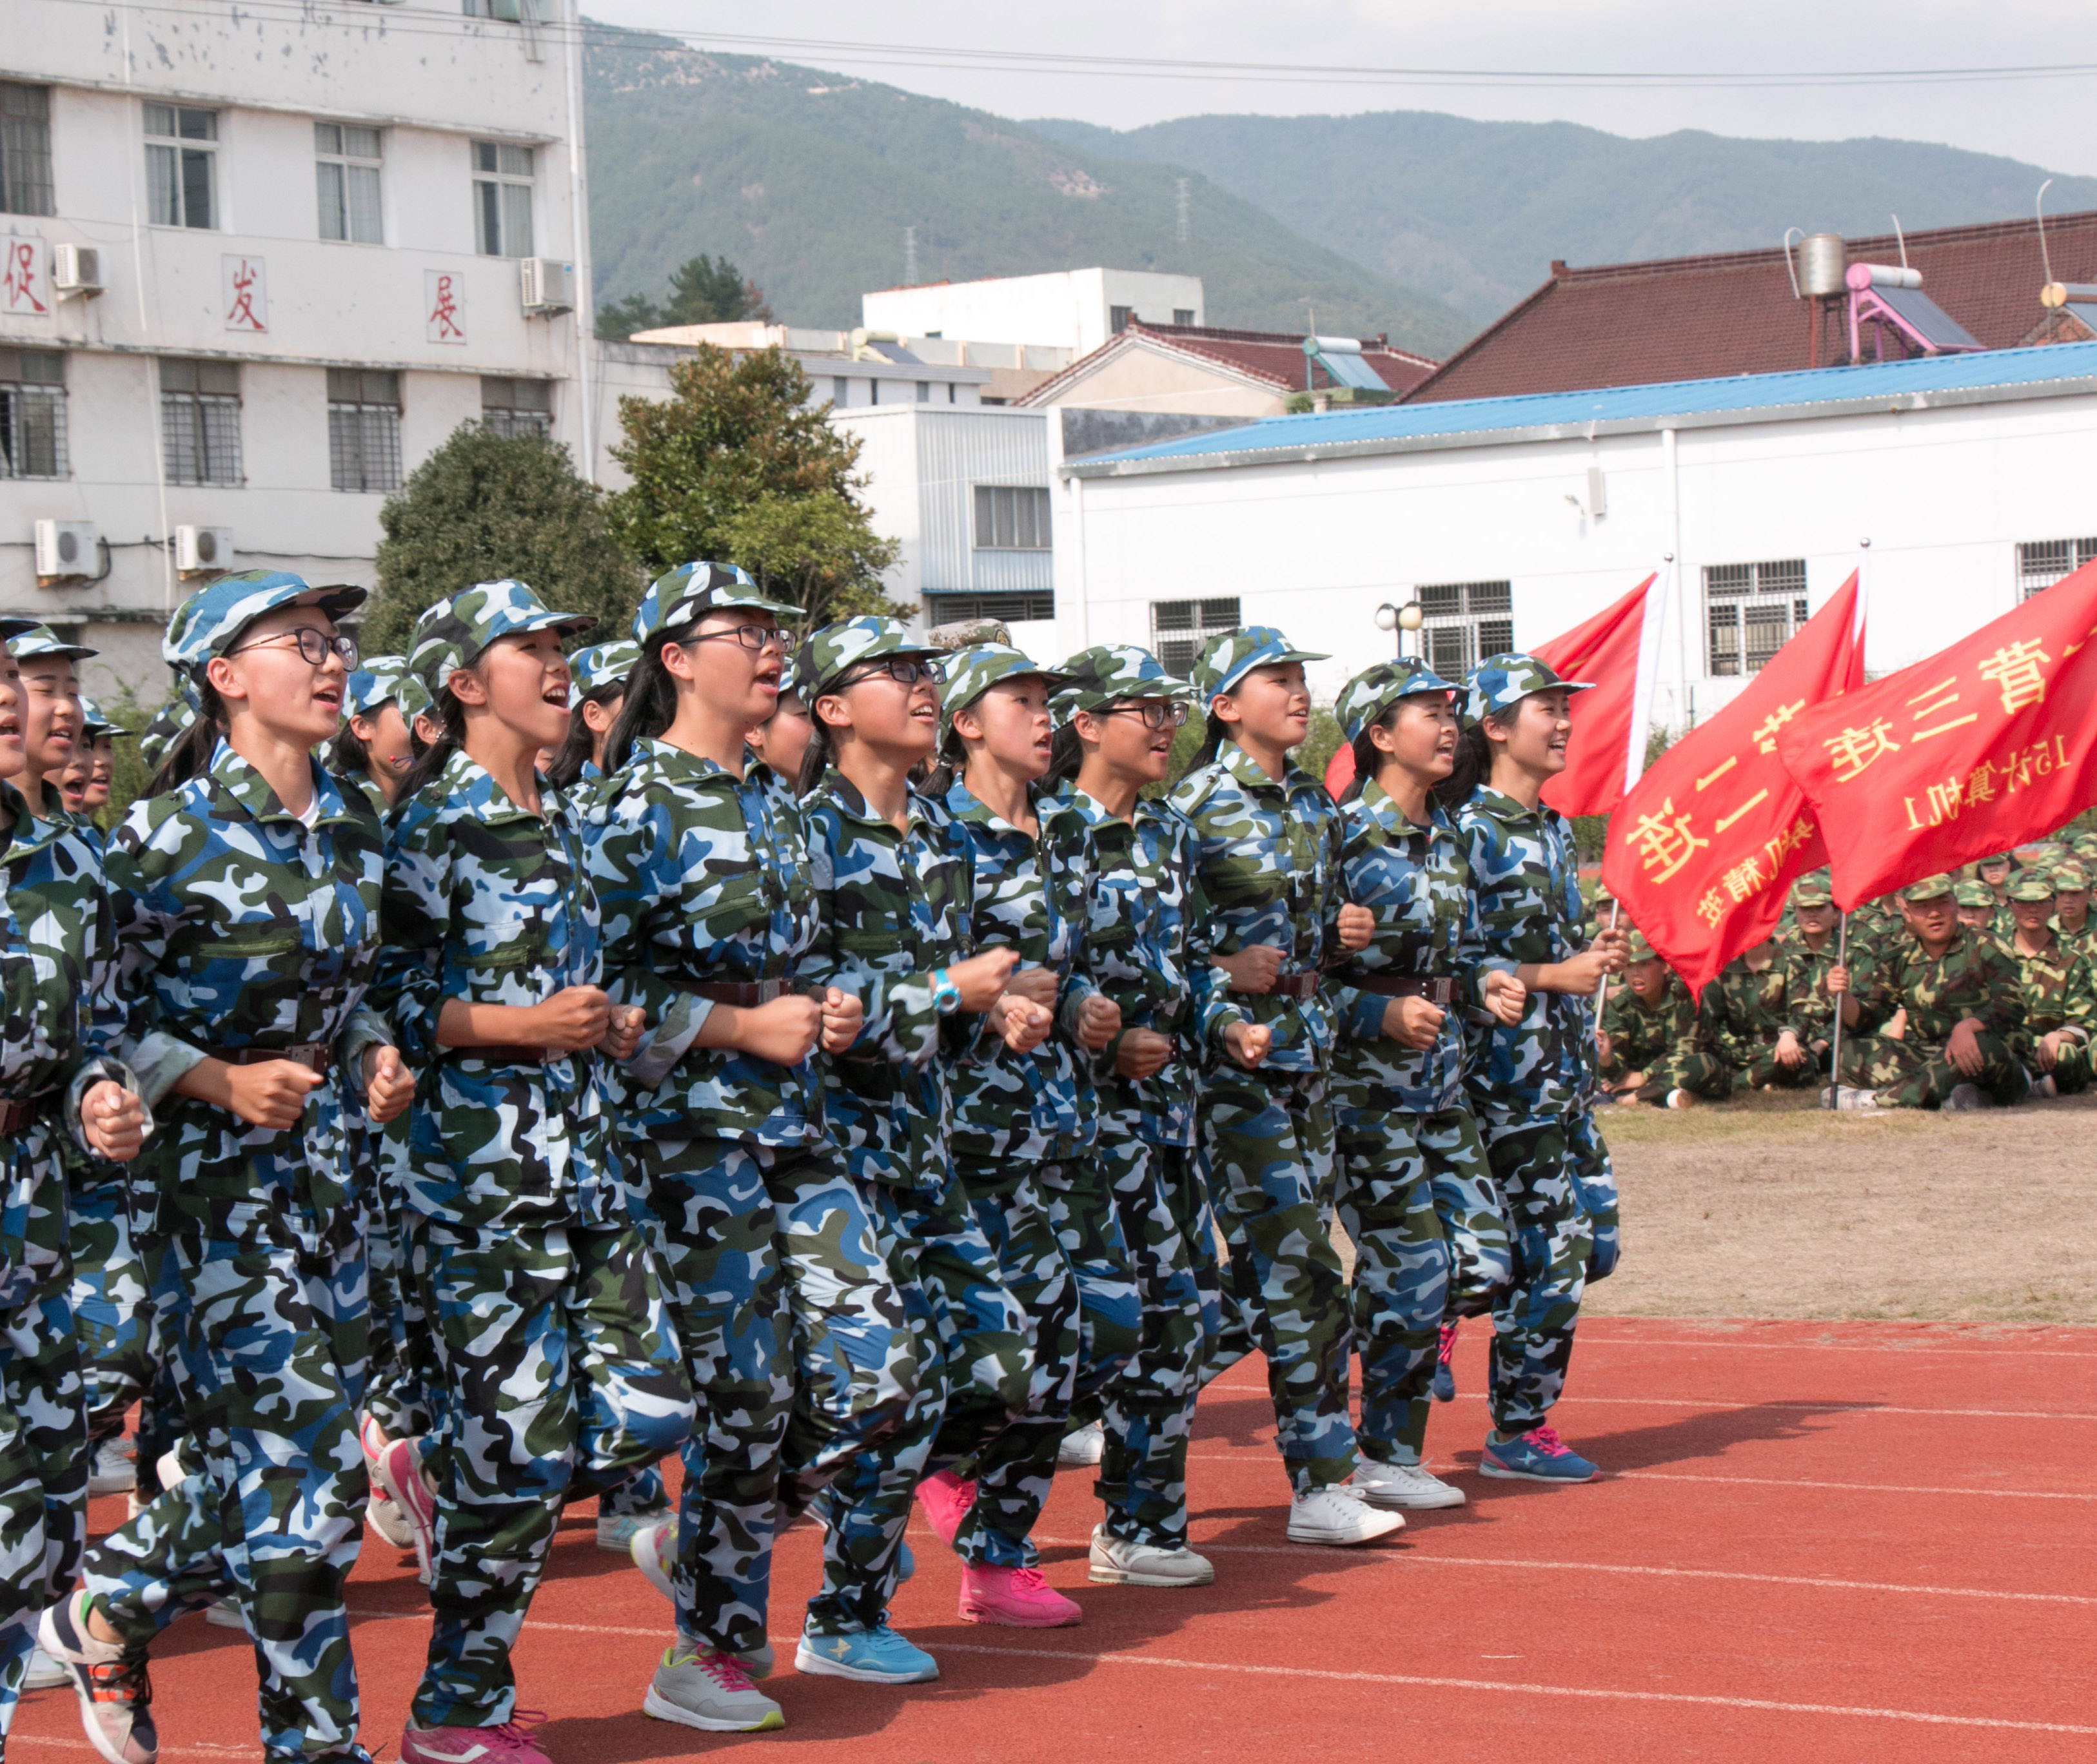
(1944, 495)
(1067, 310)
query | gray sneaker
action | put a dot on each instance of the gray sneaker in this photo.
(109, 1471)
(1850, 1099)
(1408, 1486)
(709, 1690)
(1964, 1097)
(1117, 1562)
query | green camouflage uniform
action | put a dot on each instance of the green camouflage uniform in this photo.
(1675, 1044)
(2059, 997)
(1748, 1011)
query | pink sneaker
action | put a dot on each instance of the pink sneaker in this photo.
(399, 1471)
(946, 1498)
(508, 1744)
(1017, 1597)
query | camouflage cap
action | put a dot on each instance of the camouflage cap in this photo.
(377, 680)
(2000, 857)
(839, 648)
(2069, 876)
(1813, 889)
(206, 624)
(11, 628)
(1107, 674)
(95, 724)
(2086, 847)
(34, 640)
(1929, 888)
(1227, 659)
(1500, 682)
(168, 724)
(679, 596)
(1374, 690)
(975, 670)
(602, 664)
(1636, 949)
(2029, 885)
(454, 633)
(1967, 894)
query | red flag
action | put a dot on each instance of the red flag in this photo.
(1985, 744)
(1701, 850)
(1619, 649)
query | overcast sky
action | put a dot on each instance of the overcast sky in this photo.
(2046, 121)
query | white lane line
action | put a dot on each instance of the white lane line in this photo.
(1502, 1687)
(1831, 1347)
(1418, 1558)
(1860, 1406)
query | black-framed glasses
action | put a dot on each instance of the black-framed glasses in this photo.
(1157, 713)
(756, 638)
(905, 670)
(314, 646)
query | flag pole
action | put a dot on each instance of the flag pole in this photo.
(1835, 1047)
(1602, 992)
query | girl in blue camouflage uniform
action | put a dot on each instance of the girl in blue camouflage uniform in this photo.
(775, 1283)
(1145, 945)
(55, 947)
(245, 892)
(895, 882)
(1532, 1081)
(546, 1322)
(1414, 1195)
(1267, 842)
(1022, 1138)
(597, 690)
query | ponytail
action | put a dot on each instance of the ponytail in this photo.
(428, 765)
(581, 747)
(1473, 767)
(347, 756)
(190, 755)
(1366, 758)
(949, 763)
(1066, 754)
(651, 698)
(1215, 732)
(821, 751)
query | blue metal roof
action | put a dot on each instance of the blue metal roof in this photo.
(1828, 390)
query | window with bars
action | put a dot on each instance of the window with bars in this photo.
(181, 166)
(1463, 622)
(1180, 629)
(1011, 517)
(346, 163)
(364, 429)
(1117, 319)
(517, 406)
(950, 609)
(33, 413)
(2043, 562)
(1182, 315)
(26, 148)
(502, 175)
(1751, 611)
(201, 420)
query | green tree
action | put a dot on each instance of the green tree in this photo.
(703, 291)
(740, 466)
(484, 507)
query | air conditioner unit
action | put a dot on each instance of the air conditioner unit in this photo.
(76, 269)
(547, 286)
(65, 549)
(203, 551)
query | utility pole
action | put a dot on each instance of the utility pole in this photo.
(1183, 211)
(910, 256)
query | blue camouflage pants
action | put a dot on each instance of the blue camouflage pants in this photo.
(975, 1378)
(563, 1374)
(1417, 1200)
(1148, 1409)
(1087, 1217)
(398, 1394)
(265, 1320)
(1271, 1161)
(112, 1307)
(1560, 1197)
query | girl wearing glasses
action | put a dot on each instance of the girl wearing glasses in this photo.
(1145, 945)
(246, 893)
(895, 885)
(1021, 1139)
(791, 1330)
(547, 1323)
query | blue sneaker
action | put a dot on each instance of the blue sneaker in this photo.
(906, 1564)
(1444, 1386)
(872, 1656)
(1539, 1455)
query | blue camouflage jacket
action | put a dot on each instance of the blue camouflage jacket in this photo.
(1268, 858)
(1416, 881)
(894, 907)
(702, 878)
(1039, 1106)
(238, 926)
(1146, 947)
(1525, 871)
(489, 903)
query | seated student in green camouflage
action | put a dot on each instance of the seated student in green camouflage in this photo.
(2071, 906)
(1976, 905)
(1873, 923)
(1655, 1044)
(1801, 1051)
(2061, 1001)
(1743, 1012)
(1938, 1014)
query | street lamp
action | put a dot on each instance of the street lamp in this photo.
(1399, 619)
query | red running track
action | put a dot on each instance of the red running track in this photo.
(1846, 1542)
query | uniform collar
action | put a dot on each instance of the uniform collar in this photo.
(917, 811)
(465, 780)
(31, 832)
(1378, 801)
(1252, 775)
(247, 787)
(1502, 807)
(963, 804)
(679, 762)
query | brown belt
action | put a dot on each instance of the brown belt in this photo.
(16, 1113)
(1302, 984)
(317, 1055)
(1440, 992)
(746, 995)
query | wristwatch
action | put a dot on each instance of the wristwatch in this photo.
(946, 995)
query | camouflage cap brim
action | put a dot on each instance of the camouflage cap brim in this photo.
(211, 621)
(689, 592)
(1928, 888)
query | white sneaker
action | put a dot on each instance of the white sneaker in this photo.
(1082, 1447)
(2044, 1087)
(112, 1472)
(1338, 1514)
(615, 1532)
(1680, 1099)
(1404, 1485)
(653, 1549)
(44, 1674)
(383, 1514)
(1117, 1562)
(1850, 1099)
(1964, 1097)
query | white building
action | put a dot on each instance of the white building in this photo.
(1073, 309)
(1974, 477)
(259, 264)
